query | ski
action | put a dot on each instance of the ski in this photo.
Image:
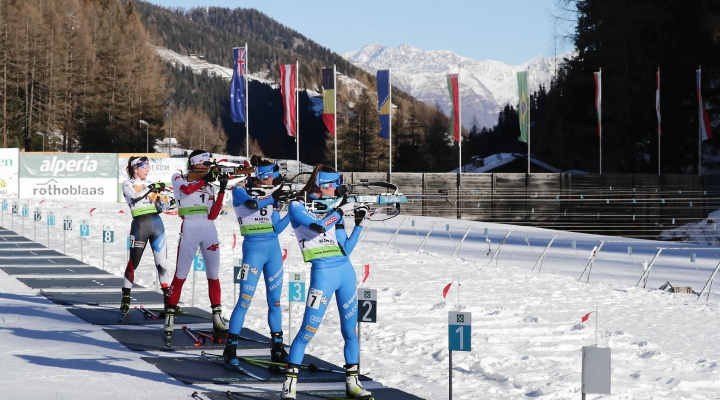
(198, 341)
(206, 335)
(323, 396)
(146, 313)
(178, 312)
(123, 315)
(309, 367)
(236, 368)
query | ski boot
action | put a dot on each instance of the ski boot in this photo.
(277, 352)
(219, 326)
(169, 325)
(353, 388)
(125, 303)
(229, 354)
(290, 384)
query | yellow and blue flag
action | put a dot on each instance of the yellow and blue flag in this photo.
(383, 88)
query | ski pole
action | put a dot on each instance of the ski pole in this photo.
(205, 335)
(198, 342)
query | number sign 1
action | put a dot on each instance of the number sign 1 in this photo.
(84, 228)
(297, 287)
(459, 331)
(108, 235)
(367, 305)
(198, 263)
(50, 218)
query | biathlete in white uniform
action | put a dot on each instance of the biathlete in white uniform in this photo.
(326, 245)
(146, 201)
(198, 207)
(256, 208)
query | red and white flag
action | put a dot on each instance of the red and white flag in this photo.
(705, 127)
(288, 75)
(367, 272)
(585, 318)
(234, 241)
(284, 256)
(657, 101)
(447, 289)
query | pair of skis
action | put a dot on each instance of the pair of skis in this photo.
(280, 367)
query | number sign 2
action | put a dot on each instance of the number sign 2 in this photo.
(367, 305)
(459, 331)
(297, 287)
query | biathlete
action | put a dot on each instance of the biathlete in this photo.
(260, 224)
(146, 201)
(325, 244)
(198, 207)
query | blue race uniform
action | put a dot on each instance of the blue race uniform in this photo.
(326, 245)
(260, 224)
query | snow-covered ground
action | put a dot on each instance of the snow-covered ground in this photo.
(526, 335)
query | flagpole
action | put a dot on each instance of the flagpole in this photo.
(528, 124)
(596, 324)
(390, 129)
(600, 115)
(459, 123)
(335, 111)
(247, 117)
(700, 118)
(297, 114)
(658, 111)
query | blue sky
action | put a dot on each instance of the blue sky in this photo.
(512, 31)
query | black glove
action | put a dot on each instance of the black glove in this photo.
(209, 177)
(360, 213)
(157, 187)
(279, 194)
(277, 181)
(223, 179)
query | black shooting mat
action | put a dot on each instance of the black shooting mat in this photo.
(54, 271)
(21, 246)
(108, 316)
(30, 253)
(154, 339)
(75, 283)
(8, 233)
(377, 394)
(97, 298)
(14, 239)
(200, 370)
(40, 261)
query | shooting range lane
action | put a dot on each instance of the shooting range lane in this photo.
(62, 271)
(154, 339)
(75, 283)
(109, 316)
(69, 298)
(377, 393)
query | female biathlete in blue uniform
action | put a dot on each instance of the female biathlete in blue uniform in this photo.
(325, 244)
(260, 224)
(146, 202)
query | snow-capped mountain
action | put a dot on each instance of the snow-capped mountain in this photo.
(486, 86)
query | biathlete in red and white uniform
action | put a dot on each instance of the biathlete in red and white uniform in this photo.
(198, 207)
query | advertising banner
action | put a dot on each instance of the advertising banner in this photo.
(68, 176)
(9, 163)
(161, 170)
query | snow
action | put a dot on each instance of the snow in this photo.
(526, 332)
(702, 232)
(486, 86)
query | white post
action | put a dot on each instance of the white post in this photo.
(394, 236)
(646, 274)
(460, 124)
(659, 125)
(247, 108)
(457, 249)
(700, 119)
(390, 159)
(589, 265)
(335, 108)
(497, 252)
(424, 241)
(709, 283)
(600, 114)
(542, 256)
(528, 127)
(297, 113)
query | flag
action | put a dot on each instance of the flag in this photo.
(237, 87)
(367, 272)
(288, 74)
(585, 318)
(657, 101)
(598, 99)
(383, 89)
(454, 90)
(447, 289)
(91, 210)
(523, 106)
(234, 241)
(284, 256)
(705, 127)
(328, 77)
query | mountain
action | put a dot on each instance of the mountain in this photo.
(486, 86)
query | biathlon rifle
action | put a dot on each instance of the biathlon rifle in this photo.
(221, 167)
(383, 199)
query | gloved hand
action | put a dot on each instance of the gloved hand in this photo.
(360, 213)
(209, 177)
(279, 194)
(278, 180)
(223, 179)
(157, 186)
(345, 208)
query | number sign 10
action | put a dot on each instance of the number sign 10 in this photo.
(367, 305)
(459, 331)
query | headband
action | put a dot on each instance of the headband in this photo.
(328, 179)
(137, 161)
(199, 159)
(267, 171)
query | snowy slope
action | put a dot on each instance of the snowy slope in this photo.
(526, 336)
(486, 85)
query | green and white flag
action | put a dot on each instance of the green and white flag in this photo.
(523, 106)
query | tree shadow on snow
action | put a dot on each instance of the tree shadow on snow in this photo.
(79, 336)
(26, 310)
